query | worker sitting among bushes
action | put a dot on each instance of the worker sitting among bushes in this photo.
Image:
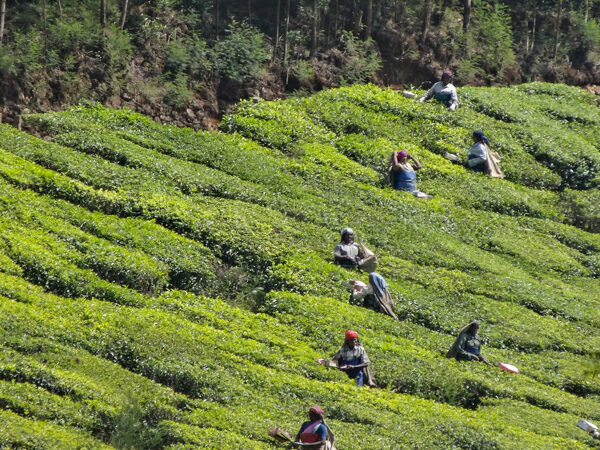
(443, 91)
(481, 159)
(315, 433)
(467, 346)
(350, 255)
(403, 175)
(375, 295)
(352, 358)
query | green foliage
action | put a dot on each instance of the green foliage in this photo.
(189, 55)
(486, 50)
(361, 61)
(583, 208)
(193, 273)
(177, 93)
(241, 54)
(493, 37)
(133, 429)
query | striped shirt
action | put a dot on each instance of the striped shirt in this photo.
(350, 354)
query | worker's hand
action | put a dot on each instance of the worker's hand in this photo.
(344, 367)
(453, 107)
(485, 361)
(422, 99)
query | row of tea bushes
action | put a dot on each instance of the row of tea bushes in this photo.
(115, 186)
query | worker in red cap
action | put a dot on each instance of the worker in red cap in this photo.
(315, 433)
(352, 358)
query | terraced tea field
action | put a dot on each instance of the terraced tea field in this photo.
(165, 288)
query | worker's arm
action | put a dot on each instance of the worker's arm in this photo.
(394, 162)
(359, 295)
(428, 94)
(340, 254)
(462, 353)
(364, 362)
(323, 435)
(357, 366)
(312, 444)
(453, 100)
(417, 165)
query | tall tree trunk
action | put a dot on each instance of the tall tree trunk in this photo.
(276, 45)
(60, 9)
(103, 12)
(369, 19)
(587, 10)
(315, 21)
(45, 16)
(557, 28)
(2, 21)
(427, 20)
(466, 14)
(357, 14)
(217, 12)
(124, 14)
(533, 29)
(287, 29)
(337, 14)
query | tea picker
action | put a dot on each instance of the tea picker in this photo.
(313, 434)
(375, 295)
(351, 255)
(352, 358)
(589, 427)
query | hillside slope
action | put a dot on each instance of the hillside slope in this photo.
(174, 288)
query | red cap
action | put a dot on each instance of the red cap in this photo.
(317, 410)
(351, 334)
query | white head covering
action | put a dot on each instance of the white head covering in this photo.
(347, 231)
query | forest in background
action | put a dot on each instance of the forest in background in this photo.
(186, 61)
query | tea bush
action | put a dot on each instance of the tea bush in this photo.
(177, 287)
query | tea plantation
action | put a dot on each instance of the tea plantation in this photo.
(165, 288)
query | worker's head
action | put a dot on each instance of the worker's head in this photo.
(474, 327)
(478, 136)
(315, 413)
(351, 338)
(347, 235)
(447, 77)
(402, 155)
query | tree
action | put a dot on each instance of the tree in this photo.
(287, 29)
(427, 20)
(314, 33)
(240, 55)
(2, 20)
(369, 19)
(276, 44)
(557, 28)
(103, 12)
(124, 14)
(466, 14)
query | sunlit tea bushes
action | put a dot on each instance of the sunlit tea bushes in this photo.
(177, 287)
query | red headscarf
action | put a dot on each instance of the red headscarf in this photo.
(316, 410)
(351, 334)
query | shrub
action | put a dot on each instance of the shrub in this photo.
(240, 56)
(361, 60)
